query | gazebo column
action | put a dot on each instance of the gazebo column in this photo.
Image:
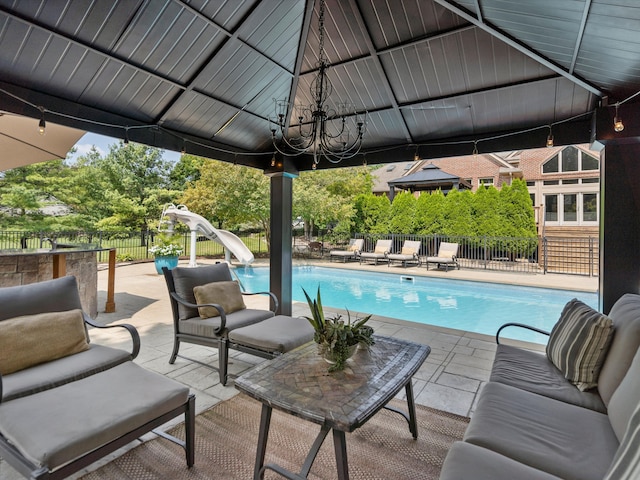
(619, 269)
(280, 272)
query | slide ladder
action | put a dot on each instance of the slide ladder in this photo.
(196, 223)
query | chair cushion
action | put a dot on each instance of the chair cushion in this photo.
(532, 371)
(34, 339)
(626, 464)
(408, 251)
(83, 415)
(570, 442)
(278, 334)
(625, 314)
(62, 370)
(186, 279)
(226, 294)
(625, 399)
(207, 327)
(579, 342)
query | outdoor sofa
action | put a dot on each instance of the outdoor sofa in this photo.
(66, 402)
(531, 423)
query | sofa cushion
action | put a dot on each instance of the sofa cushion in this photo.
(570, 442)
(226, 294)
(186, 279)
(532, 371)
(579, 342)
(82, 415)
(626, 463)
(625, 399)
(625, 314)
(468, 461)
(34, 339)
(63, 370)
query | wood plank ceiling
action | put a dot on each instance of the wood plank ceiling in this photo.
(437, 77)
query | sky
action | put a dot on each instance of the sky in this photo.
(102, 145)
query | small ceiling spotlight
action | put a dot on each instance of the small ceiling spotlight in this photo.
(550, 138)
(618, 126)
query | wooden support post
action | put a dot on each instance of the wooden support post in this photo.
(59, 265)
(110, 305)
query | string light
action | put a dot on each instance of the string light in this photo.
(126, 136)
(184, 148)
(550, 138)
(618, 126)
(273, 160)
(416, 157)
(42, 125)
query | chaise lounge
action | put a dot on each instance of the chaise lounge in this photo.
(409, 255)
(65, 401)
(379, 254)
(351, 253)
(447, 256)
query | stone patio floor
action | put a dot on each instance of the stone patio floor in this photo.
(450, 379)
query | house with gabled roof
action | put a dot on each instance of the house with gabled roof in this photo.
(563, 182)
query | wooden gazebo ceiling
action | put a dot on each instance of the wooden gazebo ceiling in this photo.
(438, 77)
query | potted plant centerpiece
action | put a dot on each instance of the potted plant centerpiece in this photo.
(166, 251)
(337, 339)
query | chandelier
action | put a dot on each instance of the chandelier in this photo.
(333, 134)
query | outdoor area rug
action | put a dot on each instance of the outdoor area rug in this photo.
(227, 435)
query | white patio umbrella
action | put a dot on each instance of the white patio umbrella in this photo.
(22, 144)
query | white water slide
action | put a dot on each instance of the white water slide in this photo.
(196, 223)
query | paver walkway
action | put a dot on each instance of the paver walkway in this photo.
(450, 379)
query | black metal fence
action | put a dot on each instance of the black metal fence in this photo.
(577, 256)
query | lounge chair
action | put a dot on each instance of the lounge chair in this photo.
(208, 310)
(351, 253)
(447, 256)
(379, 254)
(409, 255)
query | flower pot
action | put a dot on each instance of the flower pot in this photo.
(329, 355)
(166, 261)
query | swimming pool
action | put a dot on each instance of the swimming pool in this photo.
(464, 305)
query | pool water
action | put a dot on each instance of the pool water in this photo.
(463, 305)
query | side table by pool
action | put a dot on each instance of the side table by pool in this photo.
(298, 383)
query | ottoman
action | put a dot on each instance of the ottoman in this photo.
(271, 337)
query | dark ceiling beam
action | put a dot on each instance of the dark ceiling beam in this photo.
(520, 47)
(302, 45)
(478, 10)
(580, 36)
(386, 84)
(27, 102)
(568, 133)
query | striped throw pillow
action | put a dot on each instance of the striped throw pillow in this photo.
(626, 462)
(579, 342)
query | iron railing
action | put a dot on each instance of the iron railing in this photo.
(567, 255)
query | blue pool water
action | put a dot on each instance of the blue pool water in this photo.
(464, 305)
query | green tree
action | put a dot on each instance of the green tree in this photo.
(372, 213)
(430, 213)
(458, 219)
(403, 212)
(230, 195)
(323, 197)
(138, 183)
(185, 172)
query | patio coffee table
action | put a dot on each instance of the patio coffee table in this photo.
(298, 383)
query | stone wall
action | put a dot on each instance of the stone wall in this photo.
(25, 269)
